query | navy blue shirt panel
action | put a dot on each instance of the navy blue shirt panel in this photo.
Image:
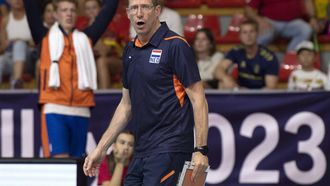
(162, 124)
(252, 71)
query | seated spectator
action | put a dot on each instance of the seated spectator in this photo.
(107, 58)
(172, 19)
(114, 167)
(257, 66)
(48, 10)
(48, 17)
(17, 40)
(307, 78)
(3, 8)
(207, 57)
(283, 18)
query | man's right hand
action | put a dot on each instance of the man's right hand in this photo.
(93, 161)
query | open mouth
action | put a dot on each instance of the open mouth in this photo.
(140, 23)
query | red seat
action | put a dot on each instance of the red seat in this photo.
(183, 3)
(195, 22)
(290, 63)
(226, 3)
(324, 38)
(232, 34)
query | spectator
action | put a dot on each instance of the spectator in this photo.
(172, 19)
(283, 18)
(107, 60)
(48, 11)
(307, 78)
(207, 56)
(257, 66)
(114, 167)
(16, 42)
(67, 74)
(3, 8)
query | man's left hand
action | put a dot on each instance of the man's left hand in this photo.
(200, 163)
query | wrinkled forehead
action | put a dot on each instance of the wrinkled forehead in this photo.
(139, 2)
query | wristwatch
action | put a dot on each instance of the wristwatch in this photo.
(202, 149)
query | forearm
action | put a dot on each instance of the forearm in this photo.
(200, 107)
(118, 123)
(102, 20)
(117, 175)
(34, 17)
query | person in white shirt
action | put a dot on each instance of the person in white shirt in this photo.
(172, 19)
(207, 56)
(307, 78)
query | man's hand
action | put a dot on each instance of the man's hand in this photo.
(200, 163)
(93, 161)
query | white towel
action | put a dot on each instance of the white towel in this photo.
(85, 58)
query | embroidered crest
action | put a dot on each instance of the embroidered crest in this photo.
(155, 56)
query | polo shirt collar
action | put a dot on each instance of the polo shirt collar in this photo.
(158, 35)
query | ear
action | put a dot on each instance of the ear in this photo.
(158, 10)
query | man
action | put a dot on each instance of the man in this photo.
(163, 97)
(172, 19)
(67, 74)
(257, 66)
(283, 18)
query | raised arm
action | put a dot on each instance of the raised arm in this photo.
(33, 13)
(119, 121)
(102, 20)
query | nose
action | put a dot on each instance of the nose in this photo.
(139, 12)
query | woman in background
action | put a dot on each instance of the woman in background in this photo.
(207, 57)
(114, 167)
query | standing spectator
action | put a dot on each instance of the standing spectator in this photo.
(16, 41)
(113, 168)
(284, 18)
(207, 56)
(257, 66)
(164, 99)
(172, 19)
(67, 73)
(307, 78)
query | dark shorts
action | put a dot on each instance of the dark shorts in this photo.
(159, 169)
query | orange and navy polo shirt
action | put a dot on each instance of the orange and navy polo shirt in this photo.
(156, 75)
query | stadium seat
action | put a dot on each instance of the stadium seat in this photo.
(195, 22)
(232, 34)
(226, 3)
(290, 63)
(183, 3)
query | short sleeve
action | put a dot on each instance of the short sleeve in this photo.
(104, 174)
(183, 62)
(232, 55)
(125, 68)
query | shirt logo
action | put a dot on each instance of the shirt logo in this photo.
(155, 56)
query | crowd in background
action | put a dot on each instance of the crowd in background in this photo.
(249, 65)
